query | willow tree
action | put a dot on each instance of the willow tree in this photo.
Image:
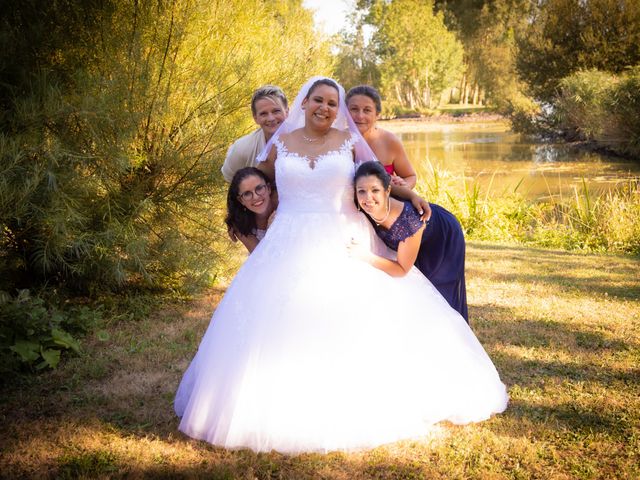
(564, 36)
(113, 137)
(418, 56)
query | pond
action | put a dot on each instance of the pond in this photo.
(501, 160)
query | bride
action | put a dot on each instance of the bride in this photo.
(311, 350)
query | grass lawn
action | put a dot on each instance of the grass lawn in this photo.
(563, 330)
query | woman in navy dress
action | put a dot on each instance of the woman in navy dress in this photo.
(435, 247)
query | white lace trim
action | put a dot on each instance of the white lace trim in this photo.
(312, 160)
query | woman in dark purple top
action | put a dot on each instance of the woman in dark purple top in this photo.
(436, 248)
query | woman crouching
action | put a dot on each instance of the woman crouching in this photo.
(437, 247)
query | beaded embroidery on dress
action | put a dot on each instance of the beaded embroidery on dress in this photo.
(302, 355)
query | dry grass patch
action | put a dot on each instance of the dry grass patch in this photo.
(563, 330)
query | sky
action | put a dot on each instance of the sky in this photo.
(329, 15)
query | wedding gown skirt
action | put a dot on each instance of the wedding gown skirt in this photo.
(310, 350)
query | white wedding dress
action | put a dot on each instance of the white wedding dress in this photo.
(311, 350)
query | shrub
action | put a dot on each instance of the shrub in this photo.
(600, 107)
(625, 109)
(582, 106)
(524, 113)
(34, 333)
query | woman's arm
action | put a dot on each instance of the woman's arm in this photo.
(268, 167)
(249, 241)
(419, 203)
(407, 254)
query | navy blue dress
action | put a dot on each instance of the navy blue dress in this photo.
(441, 254)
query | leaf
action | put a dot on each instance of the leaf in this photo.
(51, 357)
(64, 339)
(28, 351)
(103, 335)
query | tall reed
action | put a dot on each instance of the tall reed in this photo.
(606, 221)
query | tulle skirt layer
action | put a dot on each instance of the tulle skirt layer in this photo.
(310, 350)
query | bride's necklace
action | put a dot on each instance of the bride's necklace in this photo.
(378, 222)
(314, 140)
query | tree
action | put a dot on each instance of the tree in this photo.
(488, 30)
(492, 51)
(564, 36)
(117, 119)
(419, 57)
(355, 60)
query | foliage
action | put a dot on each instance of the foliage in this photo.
(601, 107)
(116, 124)
(355, 60)
(492, 51)
(564, 36)
(525, 114)
(34, 333)
(488, 30)
(582, 103)
(625, 105)
(418, 56)
(607, 221)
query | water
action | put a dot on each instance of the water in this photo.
(497, 158)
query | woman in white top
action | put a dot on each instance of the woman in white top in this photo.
(269, 109)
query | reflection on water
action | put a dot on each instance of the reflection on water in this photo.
(492, 154)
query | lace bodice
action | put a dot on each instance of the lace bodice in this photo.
(324, 185)
(407, 223)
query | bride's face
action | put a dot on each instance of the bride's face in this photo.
(321, 108)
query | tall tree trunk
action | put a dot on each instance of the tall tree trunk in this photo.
(398, 93)
(463, 88)
(476, 93)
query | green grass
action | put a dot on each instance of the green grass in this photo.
(563, 330)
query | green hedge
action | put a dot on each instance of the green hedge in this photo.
(603, 108)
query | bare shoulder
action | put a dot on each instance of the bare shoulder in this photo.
(389, 138)
(340, 135)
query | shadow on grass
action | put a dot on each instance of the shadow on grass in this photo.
(619, 278)
(571, 417)
(553, 337)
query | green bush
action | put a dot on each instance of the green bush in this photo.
(113, 131)
(583, 104)
(34, 334)
(524, 113)
(603, 108)
(625, 109)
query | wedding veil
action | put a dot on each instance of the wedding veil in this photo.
(343, 121)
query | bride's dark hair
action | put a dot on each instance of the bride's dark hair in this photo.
(322, 81)
(239, 217)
